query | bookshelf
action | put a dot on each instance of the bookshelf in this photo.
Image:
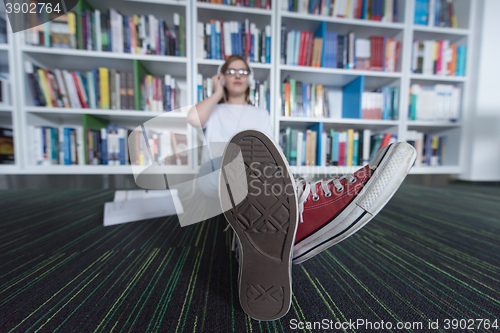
(8, 117)
(405, 31)
(205, 12)
(83, 60)
(186, 69)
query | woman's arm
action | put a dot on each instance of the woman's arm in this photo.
(199, 114)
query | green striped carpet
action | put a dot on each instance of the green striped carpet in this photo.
(433, 253)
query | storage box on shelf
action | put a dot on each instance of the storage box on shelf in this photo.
(99, 111)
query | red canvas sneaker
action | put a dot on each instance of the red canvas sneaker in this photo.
(330, 211)
(258, 197)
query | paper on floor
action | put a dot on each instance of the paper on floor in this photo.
(128, 210)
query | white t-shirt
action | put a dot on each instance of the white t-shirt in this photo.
(228, 119)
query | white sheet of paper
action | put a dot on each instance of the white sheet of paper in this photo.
(142, 194)
(141, 209)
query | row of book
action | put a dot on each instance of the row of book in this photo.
(439, 13)
(381, 104)
(431, 148)
(100, 88)
(354, 147)
(375, 10)
(7, 155)
(438, 58)
(110, 32)
(435, 102)
(105, 146)
(301, 99)
(221, 39)
(159, 94)
(259, 91)
(266, 4)
(332, 148)
(332, 50)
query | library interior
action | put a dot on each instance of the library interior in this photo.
(115, 117)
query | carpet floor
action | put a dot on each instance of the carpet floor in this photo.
(431, 257)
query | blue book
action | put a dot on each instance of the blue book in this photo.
(386, 93)
(304, 150)
(364, 11)
(252, 41)
(355, 148)
(238, 39)
(351, 98)
(54, 143)
(67, 145)
(162, 36)
(233, 39)
(335, 148)
(268, 49)
(217, 44)
(213, 41)
(121, 144)
(97, 91)
(104, 146)
(421, 7)
(384, 65)
(462, 50)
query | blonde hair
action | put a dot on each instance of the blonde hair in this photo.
(223, 69)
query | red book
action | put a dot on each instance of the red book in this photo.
(377, 52)
(222, 48)
(79, 91)
(385, 140)
(359, 9)
(309, 49)
(342, 156)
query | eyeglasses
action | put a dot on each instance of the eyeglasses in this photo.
(233, 71)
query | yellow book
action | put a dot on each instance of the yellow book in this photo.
(72, 29)
(137, 47)
(103, 103)
(149, 97)
(350, 142)
(436, 53)
(347, 9)
(45, 87)
(319, 97)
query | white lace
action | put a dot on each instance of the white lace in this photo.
(304, 188)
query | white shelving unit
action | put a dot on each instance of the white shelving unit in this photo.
(72, 59)
(23, 113)
(404, 31)
(8, 116)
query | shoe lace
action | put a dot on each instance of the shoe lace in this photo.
(304, 188)
(233, 245)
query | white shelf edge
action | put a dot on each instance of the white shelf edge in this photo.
(6, 108)
(217, 62)
(339, 71)
(441, 30)
(414, 76)
(340, 121)
(129, 113)
(237, 9)
(93, 170)
(4, 47)
(110, 55)
(430, 170)
(162, 2)
(346, 21)
(430, 123)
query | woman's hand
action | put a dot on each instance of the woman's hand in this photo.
(217, 84)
